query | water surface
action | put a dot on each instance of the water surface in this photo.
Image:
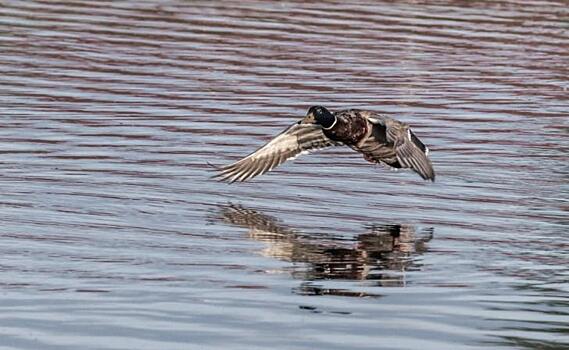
(114, 236)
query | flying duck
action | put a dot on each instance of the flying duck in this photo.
(378, 138)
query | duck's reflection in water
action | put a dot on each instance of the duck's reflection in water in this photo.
(382, 253)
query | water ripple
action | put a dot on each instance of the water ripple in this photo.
(114, 236)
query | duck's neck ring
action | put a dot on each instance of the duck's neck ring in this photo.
(333, 123)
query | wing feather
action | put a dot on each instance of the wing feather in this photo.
(393, 143)
(296, 139)
(412, 153)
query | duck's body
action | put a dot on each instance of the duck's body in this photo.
(379, 138)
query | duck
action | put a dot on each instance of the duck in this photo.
(380, 139)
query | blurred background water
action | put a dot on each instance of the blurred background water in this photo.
(113, 236)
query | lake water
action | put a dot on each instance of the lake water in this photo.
(113, 235)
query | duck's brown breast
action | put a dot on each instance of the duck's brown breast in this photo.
(350, 128)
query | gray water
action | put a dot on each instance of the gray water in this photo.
(113, 235)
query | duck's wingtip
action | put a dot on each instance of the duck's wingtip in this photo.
(213, 166)
(219, 175)
(225, 178)
(429, 176)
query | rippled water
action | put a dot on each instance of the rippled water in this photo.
(114, 236)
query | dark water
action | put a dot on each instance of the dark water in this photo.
(114, 237)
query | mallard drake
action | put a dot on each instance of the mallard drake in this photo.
(379, 138)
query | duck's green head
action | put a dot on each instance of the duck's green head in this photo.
(320, 115)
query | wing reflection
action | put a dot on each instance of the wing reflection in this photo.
(379, 254)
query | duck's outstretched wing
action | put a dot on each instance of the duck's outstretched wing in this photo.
(296, 139)
(393, 143)
(412, 153)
